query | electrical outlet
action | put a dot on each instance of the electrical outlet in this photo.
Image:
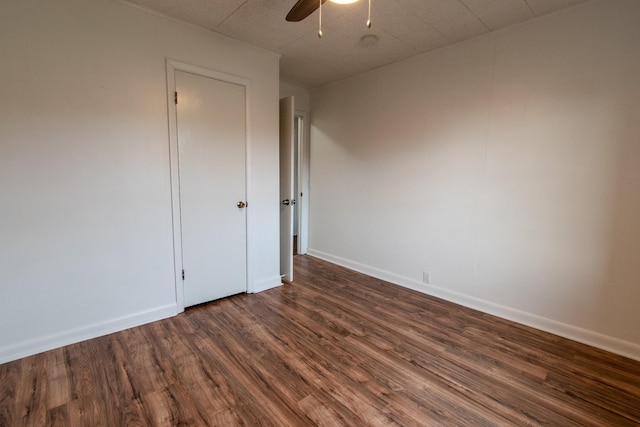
(426, 277)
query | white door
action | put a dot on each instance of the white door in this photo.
(287, 198)
(211, 127)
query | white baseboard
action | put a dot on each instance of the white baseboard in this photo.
(72, 336)
(265, 284)
(595, 339)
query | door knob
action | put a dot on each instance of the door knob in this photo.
(286, 202)
(241, 205)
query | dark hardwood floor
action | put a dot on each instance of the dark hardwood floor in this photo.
(334, 348)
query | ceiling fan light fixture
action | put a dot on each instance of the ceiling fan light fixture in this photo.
(343, 1)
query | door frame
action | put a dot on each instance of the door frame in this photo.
(287, 164)
(303, 182)
(172, 66)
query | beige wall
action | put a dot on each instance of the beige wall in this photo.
(85, 225)
(508, 167)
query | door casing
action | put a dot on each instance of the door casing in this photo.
(303, 193)
(172, 66)
(287, 116)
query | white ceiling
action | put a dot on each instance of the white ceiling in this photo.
(403, 27)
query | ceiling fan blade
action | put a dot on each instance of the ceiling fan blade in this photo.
(302, 9)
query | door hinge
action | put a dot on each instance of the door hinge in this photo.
(182, 274)
(176, 97)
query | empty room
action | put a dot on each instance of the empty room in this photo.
(320, 212)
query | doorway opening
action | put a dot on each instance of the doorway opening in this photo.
(294, 185)
(297, 128)
(300, 184)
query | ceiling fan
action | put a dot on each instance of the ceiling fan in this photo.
(304, 8)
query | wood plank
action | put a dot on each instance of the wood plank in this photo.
(335, 347)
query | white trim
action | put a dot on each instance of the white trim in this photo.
(266, 284)
(72, 336)
(248, 187)
(172, 67)
(595, 339)
(174, 177)
(303, 184)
